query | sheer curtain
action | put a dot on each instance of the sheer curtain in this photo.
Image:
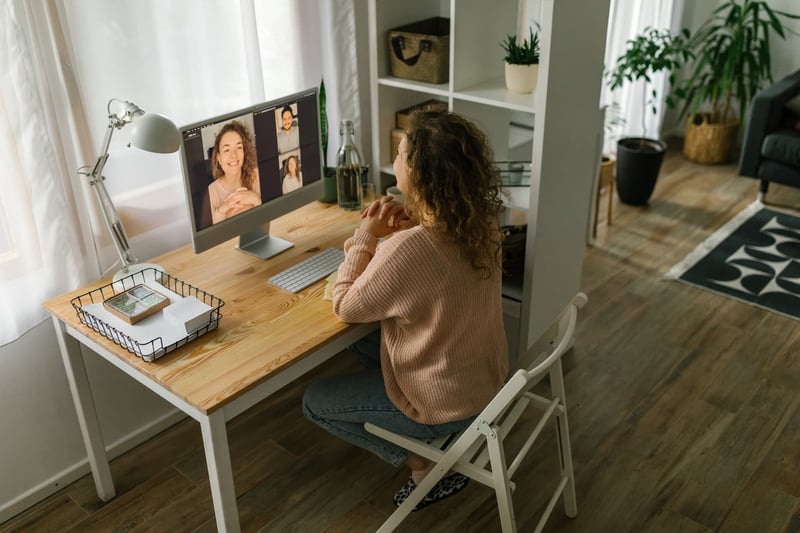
(42, 252)
(628, 18)
(186, 59)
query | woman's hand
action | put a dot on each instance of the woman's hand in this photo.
(244, 197)
(384, 217)
(239, 200)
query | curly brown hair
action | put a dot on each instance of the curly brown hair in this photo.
(249, 164)
(454, 179)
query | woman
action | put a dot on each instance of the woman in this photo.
(291, 174)
(236, 186)
(435, 286)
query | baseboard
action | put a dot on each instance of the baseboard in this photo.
(71, 474)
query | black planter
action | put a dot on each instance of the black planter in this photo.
(638, 163)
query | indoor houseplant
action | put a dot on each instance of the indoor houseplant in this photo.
(639, 158)
(522, 62)
(732, 62)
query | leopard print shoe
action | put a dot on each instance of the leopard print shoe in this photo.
(445, 487)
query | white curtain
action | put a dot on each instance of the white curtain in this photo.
(627, 19)
(41, 248)
(187, 59)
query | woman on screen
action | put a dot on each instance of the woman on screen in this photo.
(435, 286)
(236, 186)
(292, 179)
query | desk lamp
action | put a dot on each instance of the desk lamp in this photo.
(151, 132)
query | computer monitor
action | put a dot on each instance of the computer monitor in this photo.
(235, 186)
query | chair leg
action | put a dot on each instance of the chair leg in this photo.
(610, 201)
(565, 453)
(564, 445)
(502, 485)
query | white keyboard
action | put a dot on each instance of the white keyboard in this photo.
(298, 277)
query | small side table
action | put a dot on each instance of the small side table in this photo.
(606, 180)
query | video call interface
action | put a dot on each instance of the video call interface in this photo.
(283, 149)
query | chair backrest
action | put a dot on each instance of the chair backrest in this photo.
(564, 336)
(550, 339)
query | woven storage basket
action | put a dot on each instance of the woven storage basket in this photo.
(421, 51)
(708, 143)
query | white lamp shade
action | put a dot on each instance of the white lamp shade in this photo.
(155, 133)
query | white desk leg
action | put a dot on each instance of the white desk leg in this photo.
(87, 415)
(220, 473)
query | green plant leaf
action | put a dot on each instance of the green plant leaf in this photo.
(524, 53)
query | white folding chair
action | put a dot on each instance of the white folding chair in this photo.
(479, 452)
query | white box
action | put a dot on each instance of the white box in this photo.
(188, 313)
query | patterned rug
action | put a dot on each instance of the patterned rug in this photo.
(754, 258)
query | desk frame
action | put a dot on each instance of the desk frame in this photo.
(213, 426)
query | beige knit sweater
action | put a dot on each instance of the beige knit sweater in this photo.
(443, 347)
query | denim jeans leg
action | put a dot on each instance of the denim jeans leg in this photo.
(342, 404)
(368, 349)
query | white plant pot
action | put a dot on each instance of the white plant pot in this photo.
(521, 79)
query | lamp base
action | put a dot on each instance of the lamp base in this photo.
(138, 267)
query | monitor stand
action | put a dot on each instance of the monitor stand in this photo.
(261, 244)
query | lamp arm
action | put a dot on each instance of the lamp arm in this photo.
(97, 171)
(96, 180)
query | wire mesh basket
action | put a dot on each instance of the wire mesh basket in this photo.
(154, 348)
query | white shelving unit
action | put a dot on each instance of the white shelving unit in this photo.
(565, 146)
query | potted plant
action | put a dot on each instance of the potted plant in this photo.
(639, 158)
(733, 62)
(522, 62)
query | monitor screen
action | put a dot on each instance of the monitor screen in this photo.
(247, 167)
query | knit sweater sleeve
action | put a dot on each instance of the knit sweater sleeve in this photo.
(367, 282)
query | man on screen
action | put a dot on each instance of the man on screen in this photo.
(289, 135)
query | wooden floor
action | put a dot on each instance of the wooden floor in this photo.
(683, 410)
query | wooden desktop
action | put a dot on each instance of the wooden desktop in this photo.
(266, 339)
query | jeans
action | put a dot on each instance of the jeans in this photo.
(342, 404)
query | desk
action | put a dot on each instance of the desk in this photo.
(266, 339)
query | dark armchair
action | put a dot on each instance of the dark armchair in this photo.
(771, 148)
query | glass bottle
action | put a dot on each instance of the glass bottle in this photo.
(348, 169)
